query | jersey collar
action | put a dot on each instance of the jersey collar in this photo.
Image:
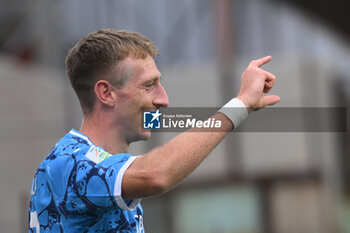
(80, 135)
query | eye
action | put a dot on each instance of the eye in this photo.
(150, 84)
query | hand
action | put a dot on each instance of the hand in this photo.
(254, 82)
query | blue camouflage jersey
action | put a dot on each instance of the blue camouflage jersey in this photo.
(77, 188)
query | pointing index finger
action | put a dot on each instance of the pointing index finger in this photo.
(261, 61)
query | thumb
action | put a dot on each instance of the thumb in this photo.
(270, 100)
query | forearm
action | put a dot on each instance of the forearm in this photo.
(164, 167)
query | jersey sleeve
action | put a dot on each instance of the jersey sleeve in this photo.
(89, 186)
(118, 166)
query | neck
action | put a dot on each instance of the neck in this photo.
(103, 135)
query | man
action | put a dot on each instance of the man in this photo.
(89, 182)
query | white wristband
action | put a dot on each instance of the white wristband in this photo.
(236, 111)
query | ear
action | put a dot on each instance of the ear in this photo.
(105, 93)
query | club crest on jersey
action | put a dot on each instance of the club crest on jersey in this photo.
(96, 154)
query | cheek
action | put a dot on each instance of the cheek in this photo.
(126, 100)
(133, 102)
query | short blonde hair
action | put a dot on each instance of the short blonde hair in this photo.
(96, 54)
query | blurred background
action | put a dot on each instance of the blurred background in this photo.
(252, 182)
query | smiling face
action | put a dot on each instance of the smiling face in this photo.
(141, 90)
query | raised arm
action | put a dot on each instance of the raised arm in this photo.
(164, 167)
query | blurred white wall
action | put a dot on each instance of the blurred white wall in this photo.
(32, 118)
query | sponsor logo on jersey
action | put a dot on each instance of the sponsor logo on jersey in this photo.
(97, 154)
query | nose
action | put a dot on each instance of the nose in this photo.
(161, 98)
